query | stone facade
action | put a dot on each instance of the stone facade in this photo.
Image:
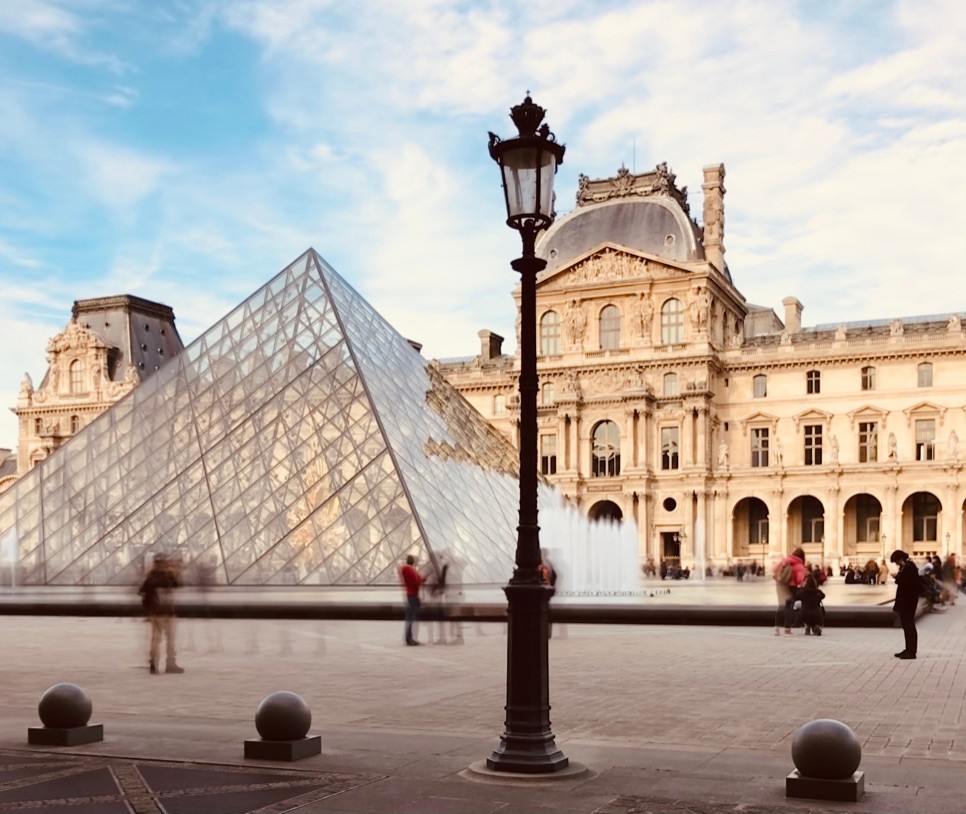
(109, 346)
(713, 423)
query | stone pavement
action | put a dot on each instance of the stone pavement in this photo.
(670, 719)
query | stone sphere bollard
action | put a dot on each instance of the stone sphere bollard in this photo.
(826, 749)
(65, 706)
(283, 716)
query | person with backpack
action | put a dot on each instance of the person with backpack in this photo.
(789, 575)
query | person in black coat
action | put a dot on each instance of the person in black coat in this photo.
(907, 600)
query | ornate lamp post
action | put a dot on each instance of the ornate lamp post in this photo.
(527, 165)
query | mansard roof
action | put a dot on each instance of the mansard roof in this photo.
(646, 212)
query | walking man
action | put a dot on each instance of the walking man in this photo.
(412, 580)
(907, 600)
(157, 596)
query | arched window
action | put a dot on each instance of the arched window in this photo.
(760, 386)
(550, 333)
(74, 423)
(868, 378)
(813, 382)
(670, 384)
(672, 322)
(548, 394)
(499, 404)
(76, 376)
(610, 327)
(606, 461)
(925, 374)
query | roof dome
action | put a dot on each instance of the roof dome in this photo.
(645, 212)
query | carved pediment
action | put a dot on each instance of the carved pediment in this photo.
(812, 416)
(609, 264)
(75, 337)
(924, 409)
(868, 413)
(757, 420)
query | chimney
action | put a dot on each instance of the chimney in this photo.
(793, 315)
(714, 215)
(491, 345)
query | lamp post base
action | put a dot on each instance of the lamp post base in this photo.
(527, 744)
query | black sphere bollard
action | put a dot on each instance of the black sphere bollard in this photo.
(283, 719)
(826, 754)
(64, 711)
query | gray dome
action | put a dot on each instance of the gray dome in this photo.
(655, 225)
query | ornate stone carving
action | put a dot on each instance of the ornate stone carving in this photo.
(575, 323)
(570, 386)
(840, 333)
(952, 446)
(699, 309)
(26, 390)
(645, 312)
(955, 324)
(895, 327)
(724, 457)
(833, 450)
(75, 337)
(626, 184)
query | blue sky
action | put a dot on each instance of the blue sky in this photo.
(187, 150)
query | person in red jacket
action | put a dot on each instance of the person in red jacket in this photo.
(412, 580)
(789, 575)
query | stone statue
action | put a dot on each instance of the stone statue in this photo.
(840, 333)
(955, 324)
(26, 387)
(575, 323)
(833, 449)
(723, 455)
(952, 446)
(895, 327)
(647, 316)
(893, 451)
(779, 454)
(703, 303)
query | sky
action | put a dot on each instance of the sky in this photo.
(186, 151)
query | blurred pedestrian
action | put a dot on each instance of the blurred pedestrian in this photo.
(789, 575)
(907, 600)
(548, 574)
(157, 596)
(811, 597)
(412, 580)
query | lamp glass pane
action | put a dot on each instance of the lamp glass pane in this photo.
(520, 178)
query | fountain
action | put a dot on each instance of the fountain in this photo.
(592, 558)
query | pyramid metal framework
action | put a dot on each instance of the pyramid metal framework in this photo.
(300, 440)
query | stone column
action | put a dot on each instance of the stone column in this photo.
(629, 448)
(575, 447)
(702, 517)
(834, 541)
(702, 437)
(714, 216)
(562, 462)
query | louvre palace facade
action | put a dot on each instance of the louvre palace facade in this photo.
(717, 424)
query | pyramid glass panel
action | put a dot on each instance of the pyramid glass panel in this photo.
(300, 440)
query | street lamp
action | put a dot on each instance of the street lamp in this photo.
(527, 166)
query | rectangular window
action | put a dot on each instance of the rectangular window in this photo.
(499, 405)
(925, 374)
(868, 442)
(868, 378)
(813, 382)
(669, 448)
(548, 394)
(925, 439)
(759, 446)
(548, 454)
(813, 445)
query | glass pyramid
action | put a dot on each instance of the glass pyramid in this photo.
(300, 440)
